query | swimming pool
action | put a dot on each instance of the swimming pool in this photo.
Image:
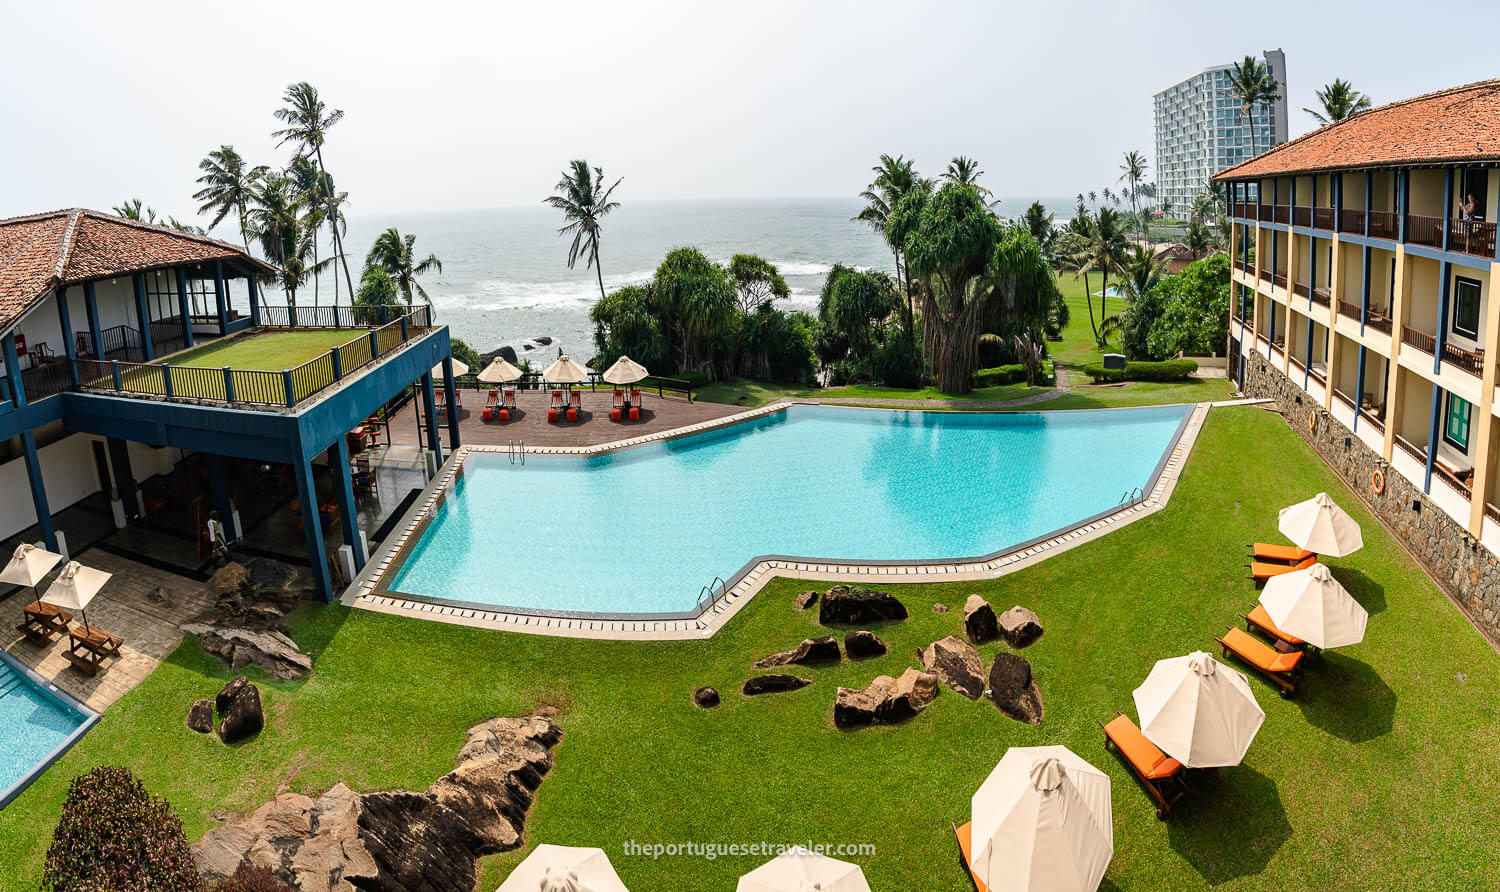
(641, 531)
(37, 725)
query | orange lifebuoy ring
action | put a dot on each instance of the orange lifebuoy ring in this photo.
(1377, 481)
(1312, 420)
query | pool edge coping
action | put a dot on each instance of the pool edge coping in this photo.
(368, 590)
(90, 719)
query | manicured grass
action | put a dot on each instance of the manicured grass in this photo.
(268, 351)
(745, 392)
(978, 394)
(1381, 773)
(1138, 393)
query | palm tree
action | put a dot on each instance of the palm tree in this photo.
(1199, 240)
(276, 222)
(1140, 270)
(135, 209)
(396, 254)
(1339, 100)
(965, 172)
(1131, 173)
(228, 187)
(1252, 84)
(584, 202)
(1204, 207)
(1102, 248)
(308, 120)
(894, 179)
(304, 176)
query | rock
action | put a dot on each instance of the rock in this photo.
(527, 347)
(505, 352)
(201, 716)
(706, 697)
(979, 620)
(240, 647)
(860, 645)
(847, 606)
(811, 650)
(159, 595)
(397, 840)
(940, 608)
(1020, 627)
(227, 693)
(243, 718)
(543, 340)
(231, 585)
(806, 600)
(887, 701)
(956, 663)
(773, 684)
(276, 580)
(1014, 690)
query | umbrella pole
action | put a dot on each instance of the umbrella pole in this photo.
(86, 632)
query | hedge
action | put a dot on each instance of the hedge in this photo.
(1169, 370)
(1000, 375)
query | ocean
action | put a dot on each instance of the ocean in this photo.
(505, 278)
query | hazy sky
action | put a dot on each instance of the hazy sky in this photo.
(480, 105)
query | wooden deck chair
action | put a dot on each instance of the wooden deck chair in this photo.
(1280, 554)
(491, 406)
(1159, 773)
(1260, 571)
(1258, 620)
(1285, 669)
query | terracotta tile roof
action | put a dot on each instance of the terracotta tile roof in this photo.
(1456, 125)
(1174, 251)
(41, 251)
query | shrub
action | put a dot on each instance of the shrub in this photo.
(249, 878)
(847, 371)
(1168, 370)
(1000, 376)
(695, 380)
(993, 350)
(114, 835)
(897, 362)
(1194, 314)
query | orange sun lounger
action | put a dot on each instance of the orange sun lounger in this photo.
(1258, 618)
(965, 836)
(1282, 554)
(1283, 669)
(1260, 571)
(1159, 773)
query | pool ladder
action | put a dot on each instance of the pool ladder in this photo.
(706, 596)
(1133, 496)
(516, 450)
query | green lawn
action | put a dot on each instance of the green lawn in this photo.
(745, 392)
(268, 351)
(1380, 773)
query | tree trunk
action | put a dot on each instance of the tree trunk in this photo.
(1088, 294)
(958, 349)
(338, 243)
(1103, 298)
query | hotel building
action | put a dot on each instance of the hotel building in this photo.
(1363, 257)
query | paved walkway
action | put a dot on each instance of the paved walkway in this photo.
(123, 608)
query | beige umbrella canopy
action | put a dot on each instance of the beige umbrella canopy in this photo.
(565, 371)
(459, 369)
(1041, 821)
(1199, 711)
(1311, 605)
(499, 372)
(75, 587)
(552, 868)
(625, 371)
(1320, 525)
(28, 565)
(798, 870)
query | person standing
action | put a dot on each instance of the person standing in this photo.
(217, 541)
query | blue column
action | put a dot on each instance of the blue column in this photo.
(1447, 206)
(1364, 288)
(1404, 207)
(448, 389)
(254, 300)
(96, 336)
(13, 370)
(143, 315)
(1432, 437)
(66, 323)
(38, 491)
(429, 405)
(1312, 268)
(1441, 336)
(185, 308)
(119, 459)
(307, 494)
(1359, 386)
(1369, 184)
(218, 490)
(343, 490)
(219, 297)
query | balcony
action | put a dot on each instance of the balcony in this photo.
(1415, 337)
(1461, 482)
(1383, 225)
(1320, 297)
(1316, 375)
(1299, 289)
(1264, 213)
(1349, 310)
(1283, 213)
(1411, 449)
(1372, 412)
(1322, 218)
(1265, 274)
(1492, 511)
(1476, 237)
(1301, 216)
(1379, 321)
(1278, 279)
(1344, 398)
(1352, 221)
(1243, 266)
(1471, 361)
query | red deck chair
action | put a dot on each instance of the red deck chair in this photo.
(556, 407)
(616, 413)
(575, 404)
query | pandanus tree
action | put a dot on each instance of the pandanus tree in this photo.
(969, 269)
(584, 201)
(228, 188)
(698, 300)
(396, 254)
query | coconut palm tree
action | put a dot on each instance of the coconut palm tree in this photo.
(965, 171)
(1101, 248)
(894, 179)
(1199, 240)
(1132, 171)
(1339, 100)
(135, 209)
(305, 178)
(396, 254)
(308, 120)
(1139, 270)
(584, 201)
(1252, 84)
(228, 187)
(277, 223)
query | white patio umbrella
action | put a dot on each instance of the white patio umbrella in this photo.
(799, 870)
(75, 587)
(28, 565)
(1320, 525)
(1041, 821)
(625, 371)
(1311, 605)
(1198, 710)
(459, 369)
(565, 371)
(552, 868)
(499, 372)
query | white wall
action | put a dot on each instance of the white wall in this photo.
(67, 472)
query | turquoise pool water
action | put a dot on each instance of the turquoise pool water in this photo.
(35, 726)
(643, 530)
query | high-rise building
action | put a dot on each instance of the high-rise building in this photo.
(1200, 130)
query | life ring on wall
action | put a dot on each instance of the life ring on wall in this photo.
(1377, 481)
(1312, 420)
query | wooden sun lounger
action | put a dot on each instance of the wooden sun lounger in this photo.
(1285, 669)
(617, 412)
(575, 405)
(88, 651)
(1281, 554)
(1159, 773)
(39, 622)
(1260, 571)
(965, 836)
(1259, 620)
(509, 401)
(491, 406)
(557, 405)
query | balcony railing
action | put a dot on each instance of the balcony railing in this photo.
(1322, 218)
(1379, 321)
(46, 379)
(1299, 289)
(1264, 213)
(1422, 230)
(1460, 482)
(1471, 361)
(1383, 225)
(1492, 511)
(1265, 274)
(1279, 280)
(1243, 266)
(1301, 216)
(1419, 339)
(1411, 449)
(1343, 398)
(1283, 213)
(1320, 296)
(1476, 237)
(1297, 363)
(1352, 221)
(1349, 310)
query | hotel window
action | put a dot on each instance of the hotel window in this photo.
(1456, 431)
(1466, 307)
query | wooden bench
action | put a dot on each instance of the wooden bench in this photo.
(39, 622)
(88, 649)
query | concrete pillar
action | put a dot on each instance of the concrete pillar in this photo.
(38, 490)
(452, 397)
(220, 297)
(343, 490)
(1393, 400)
(218, 490)
(143, 313)
(96, 335)
(125, 489)
(429, 406)
(65, 323)
(184, 307)
(307, 495)
(1486, 423)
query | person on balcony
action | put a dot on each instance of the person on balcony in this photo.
(1466, 214)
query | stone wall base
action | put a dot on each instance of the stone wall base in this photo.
(1467, 570)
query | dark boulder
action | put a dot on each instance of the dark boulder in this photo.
(1020, 627)
(243, 718)
(979, 620)
(956, 663)
(773, 684)
(227, 693)
(845, 606)
(940, 608)
(706, 697)
(811, 650)
(806, 600)
(1014, 690)
(861, 645)
(887, 701)
(201, 716)
(544, 340)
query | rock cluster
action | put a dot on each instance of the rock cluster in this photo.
(243, 627)
(811, 650)
(397, 840)
(979, 620)
(846, 606)
(706, 697)
(806, 600)
(886, 701)
(956, 663)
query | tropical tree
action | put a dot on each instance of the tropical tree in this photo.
(757, 280)
(135, 209)
(1199, 240)
(697, 298)
(584, 201)
(856, 302)
(306, 179)
(1132, 171)
(1039, 223)
(377, 290)
(895, 178)
(1101, 247)
(228, 188)
(1194, 309)
(396, 254)
(1140, 270)
(277, 224)
(307, 122)
(1338, 101)
(965, 172)
(1252, 83)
